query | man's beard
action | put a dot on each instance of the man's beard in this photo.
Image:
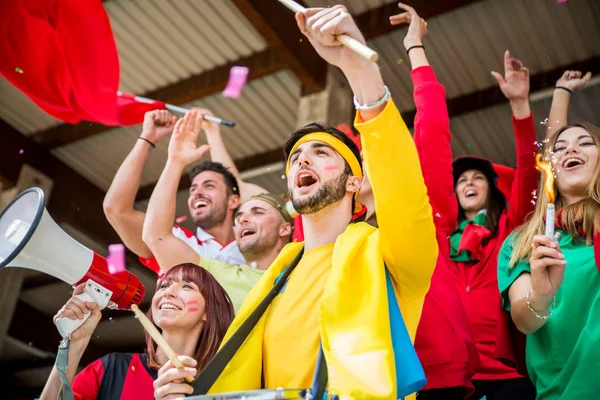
(213, 218)
(331, 192)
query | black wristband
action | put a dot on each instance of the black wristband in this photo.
(415, 47)
(563, 88)
(147, 141)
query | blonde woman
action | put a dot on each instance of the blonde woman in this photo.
(551, 287)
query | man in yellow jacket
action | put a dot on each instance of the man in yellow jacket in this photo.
(336, 297)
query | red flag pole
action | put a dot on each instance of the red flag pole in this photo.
(183, 110)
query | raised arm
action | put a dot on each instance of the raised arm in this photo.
(320, 26)
(569, 82)
(408, 241)
(219, 153)
(80, 339)
(157, 233)
(120, 197)
(515, 87)
(432, 124)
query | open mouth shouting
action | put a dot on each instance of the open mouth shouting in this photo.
(305, 179)
(572, 163)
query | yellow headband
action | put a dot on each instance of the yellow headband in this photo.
(338, 146)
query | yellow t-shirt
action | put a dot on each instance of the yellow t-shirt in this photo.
(291, 339)
(236, 279)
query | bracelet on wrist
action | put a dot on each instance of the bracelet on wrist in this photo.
(147, 141)
(417, 46)
(538, 316)
(563, 88)
(375, 104)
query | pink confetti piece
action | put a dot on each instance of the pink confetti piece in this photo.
(237, 80)
(21, 151)
(181, 219)
(116, 258)
(561, 1)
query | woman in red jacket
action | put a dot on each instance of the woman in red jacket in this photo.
(485, 219)
(443, 342)
(193, 312)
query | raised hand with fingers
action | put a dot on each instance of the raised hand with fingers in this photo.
(75, 309)
(322, 25)
(170, 383)
(547, 269)
(182, 147)
(573, 80)
(417, 28)
(515, 83)
(157, 125)
(207, 126)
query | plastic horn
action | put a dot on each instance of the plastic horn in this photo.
(183, 110)
(347, 41)
(159, 339)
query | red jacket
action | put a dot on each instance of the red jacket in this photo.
(478, 283)
(444, 342)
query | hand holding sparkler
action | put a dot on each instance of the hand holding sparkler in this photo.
(547, 267)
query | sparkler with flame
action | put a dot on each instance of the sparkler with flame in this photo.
(546, 169)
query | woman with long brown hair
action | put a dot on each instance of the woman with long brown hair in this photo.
(190, 308)
(551, 285)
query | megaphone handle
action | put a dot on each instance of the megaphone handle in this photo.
(66, 326)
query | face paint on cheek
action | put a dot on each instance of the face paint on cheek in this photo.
(191, 304)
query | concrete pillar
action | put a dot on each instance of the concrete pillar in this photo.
(11, 279)
(332, 105)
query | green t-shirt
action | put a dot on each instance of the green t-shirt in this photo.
(237, 280)
(563, 356)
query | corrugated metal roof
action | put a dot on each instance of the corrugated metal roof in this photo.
(21, 113)
(164, 41)
(159, 43)
(355, 7)
(265, 114)
(466, 44)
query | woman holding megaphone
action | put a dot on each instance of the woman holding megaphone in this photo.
(190, 308)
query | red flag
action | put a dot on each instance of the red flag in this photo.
(62, 55)
(131, 111)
